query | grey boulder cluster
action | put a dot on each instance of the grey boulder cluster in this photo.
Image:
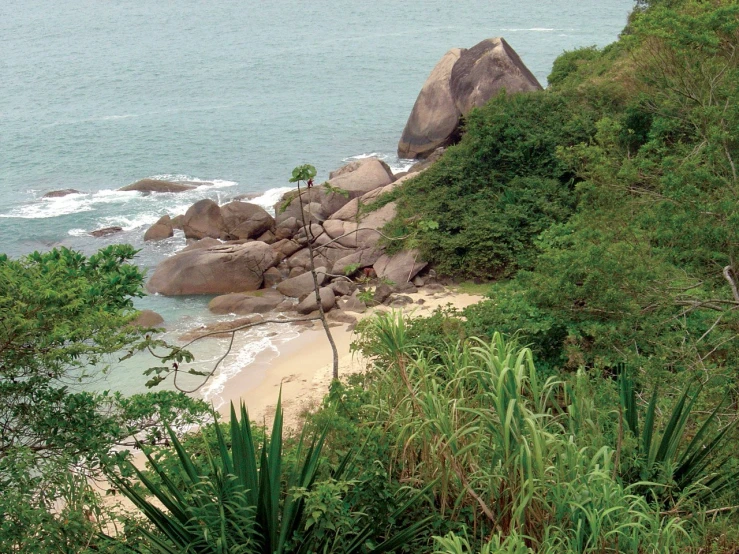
(258, 263)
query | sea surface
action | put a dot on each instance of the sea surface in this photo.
(96, 94)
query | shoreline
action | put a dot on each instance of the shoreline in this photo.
(303, 366)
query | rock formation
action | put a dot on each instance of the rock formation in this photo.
(155, 185)
(213, 270)
(463, 79)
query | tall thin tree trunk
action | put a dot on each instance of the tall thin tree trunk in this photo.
(316, 289)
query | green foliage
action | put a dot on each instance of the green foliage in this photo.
(478, 209)
(243, 500)
(351, 269)
(682, 459)
(510, 454)
(567, 64)
(63, 317)
(304, 172)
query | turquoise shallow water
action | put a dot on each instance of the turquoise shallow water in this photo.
(97, 94)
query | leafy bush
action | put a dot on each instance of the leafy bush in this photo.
(497, 190)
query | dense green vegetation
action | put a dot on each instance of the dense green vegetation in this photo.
(62, 318)
(588, 405)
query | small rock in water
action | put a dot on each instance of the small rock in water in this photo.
(60, 193)
(106, 231)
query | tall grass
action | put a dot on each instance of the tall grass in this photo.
(475, 418)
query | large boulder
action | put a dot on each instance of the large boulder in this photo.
(213, 270)
(246, 221)
(155, 185)
(309, 304)
(358, 259)
(301, 285)
(204, 219)
(399, 268)
(162, 229)
(363, 234)
(301, 259)
(485, 69)
(434, 119)
(463, 79)
(243, 303)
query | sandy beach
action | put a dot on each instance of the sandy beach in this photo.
(303, 366)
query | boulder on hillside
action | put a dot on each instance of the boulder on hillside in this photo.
(484, 70)
(342, 287)
(463, 79)
(296, 287)
(105, 231)
(246, 221)
(349, 212)
(243, 303)
(399, 268)
(301, 259)
(162, 229)
(287, 228)
(271, 277)
(358, 259)
(434, 119)
(309, 304)
(285, 248)
(204, 219)
(60, 193)
(155, 185)
(213, 270)
(366, 175)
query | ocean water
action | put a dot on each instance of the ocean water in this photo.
(97, 94)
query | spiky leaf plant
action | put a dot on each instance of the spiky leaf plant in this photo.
(243, 501)
(683, 458)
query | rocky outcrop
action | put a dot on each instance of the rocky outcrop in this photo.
(60, 193)
(485, 69)
(246, 221)
(213, 270)
(155, 185)
(302, 284)
(309, 304)
(204, 219)
(162, 229)
(105, 231)
(399, 268)
(463, 79)
(318, 202)
(435, 118)
(359, 259)
(243, 303)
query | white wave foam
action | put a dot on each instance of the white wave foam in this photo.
(116, 117)
(213, 183)
(269, 198)
(396, 165)
(257, 341)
